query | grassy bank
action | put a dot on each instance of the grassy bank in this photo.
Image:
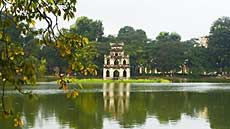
(157, 80)
(148, 79)
(152, 80)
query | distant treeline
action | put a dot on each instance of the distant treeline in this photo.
(166, 54)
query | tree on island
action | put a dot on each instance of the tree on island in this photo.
(167, 53)
(89, 28)
(168, 37)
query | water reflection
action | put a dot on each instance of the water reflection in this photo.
(116, 98)
(115, 106)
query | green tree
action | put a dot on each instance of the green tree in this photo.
(134, 40)
(16, 68)
(165, 54)
(110, 38)
(219, 44)
(128, 34)
(168, 57)
(102, 48)
(168, 37)
(89, 28)
(54, 60)
(140, 36)
(198, 60)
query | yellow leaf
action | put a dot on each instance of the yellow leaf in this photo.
(68, 51)
(25, 78)
(0, 35)
(22, 53)
(95, 73)
(85, 72)
(62, 53)
(32, 23)
(58, 44)
(21, 123)
(75, 94)
(8, 39)
(18, 122)
(81, 68)
(65, 87)
(11, 58)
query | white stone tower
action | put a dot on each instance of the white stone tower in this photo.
(116, 64)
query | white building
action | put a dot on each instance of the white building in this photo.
(116, 64)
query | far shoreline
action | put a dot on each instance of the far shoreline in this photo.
(145, 79)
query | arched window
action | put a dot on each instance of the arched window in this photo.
(108, 62)
(124, 62)
(124, 73)
(116, 62)
(115, 74)
(107, 73)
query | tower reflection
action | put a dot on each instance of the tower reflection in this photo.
(116, 98)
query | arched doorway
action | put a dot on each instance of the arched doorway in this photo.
(107, 73)
(124, 62)
(124, 73)
(115, 74)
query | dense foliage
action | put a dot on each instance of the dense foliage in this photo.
(27, 52)
(166, 54)
(22, 48)
(219, 44)
(89, 28)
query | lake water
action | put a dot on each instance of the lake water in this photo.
(121, 106)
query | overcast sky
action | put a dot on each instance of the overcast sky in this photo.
(189, 18)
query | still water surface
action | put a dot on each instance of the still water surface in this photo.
(121, 106)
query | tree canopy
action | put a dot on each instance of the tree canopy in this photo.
(26, 52)
(128, 34)
(219, 43)
(19, 63)
(168, 37)
(89, 28)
